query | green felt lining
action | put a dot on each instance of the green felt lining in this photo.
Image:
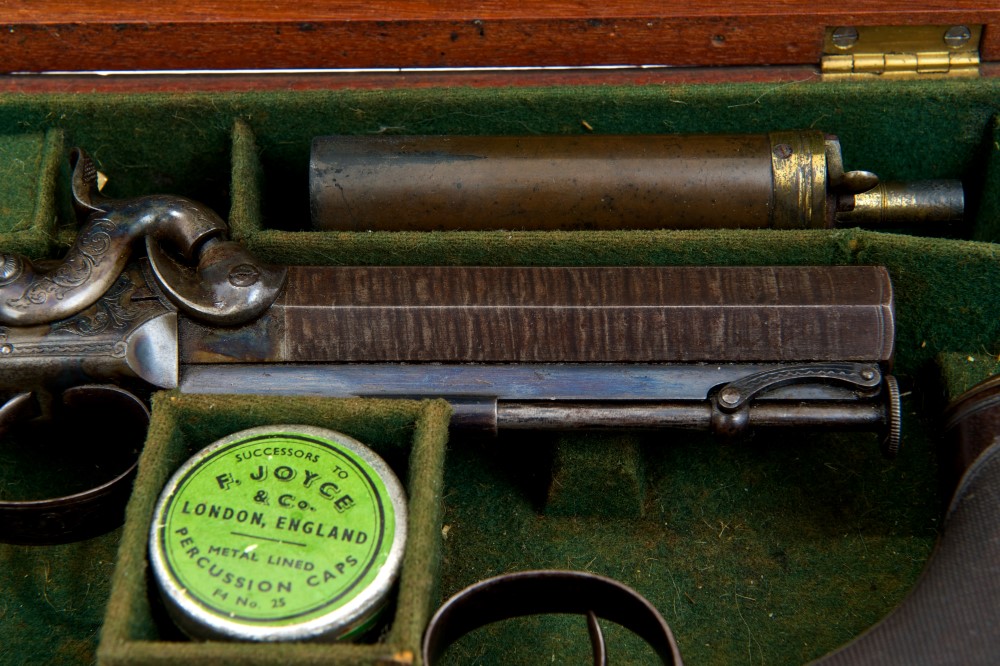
(597, 475)
(836, 534)
(772, 550)
(409, 435)
(30, 166)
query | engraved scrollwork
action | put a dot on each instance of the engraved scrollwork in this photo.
(114, 310)
(75, 271)
(738, 393)
(97, 241)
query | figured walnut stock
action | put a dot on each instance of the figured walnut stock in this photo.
(567, 315)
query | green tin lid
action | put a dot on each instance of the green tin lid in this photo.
(284, 532)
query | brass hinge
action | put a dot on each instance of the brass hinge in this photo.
(901, 52)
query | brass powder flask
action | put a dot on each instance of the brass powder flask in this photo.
(780, 180)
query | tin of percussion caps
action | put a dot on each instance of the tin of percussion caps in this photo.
(280, 533)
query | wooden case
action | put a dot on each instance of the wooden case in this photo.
(774, 551)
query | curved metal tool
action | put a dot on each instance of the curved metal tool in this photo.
(99, 509)
(550, 591)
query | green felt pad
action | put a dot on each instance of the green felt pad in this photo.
(960, 372)
(598, 475)
(987, 207)
(30, 166)
(775, 550)
(53, 601)
(19, 170)
(409, 435)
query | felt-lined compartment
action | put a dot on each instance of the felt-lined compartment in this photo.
(29, 171)
(837, 534)
(773, 550)
(409, 435)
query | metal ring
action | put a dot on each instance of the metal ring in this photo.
(549, 591)
(96, 510)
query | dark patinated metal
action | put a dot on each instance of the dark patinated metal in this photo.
(121, 337)
(101, 251)
(228, 285)
(781, 180)
(550, 591)
(96, 260)
(83, 415)
(971, 424)
(952, 616)
(492, 397)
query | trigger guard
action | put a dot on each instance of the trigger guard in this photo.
(228, 286)
(19, 408)
(89, 513)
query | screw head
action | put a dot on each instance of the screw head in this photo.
(729, 396)
(783, 151)
(244, 275)
(957, 36)
(6, 349)
(868, 374)
(845, 37)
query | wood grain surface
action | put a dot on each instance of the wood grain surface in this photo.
(552, 315)
(56, 35)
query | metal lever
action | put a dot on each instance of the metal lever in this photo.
(227, 287)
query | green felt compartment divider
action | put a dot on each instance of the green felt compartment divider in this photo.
(409, 435)
(960, 372)
(30, 168)
(597, 474)
(247, 176)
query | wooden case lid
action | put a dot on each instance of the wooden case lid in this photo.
(57, 35)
